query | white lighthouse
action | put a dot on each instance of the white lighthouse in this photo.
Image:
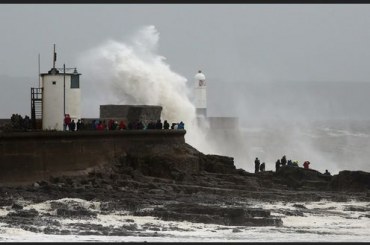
(200, 94)
(61, 95)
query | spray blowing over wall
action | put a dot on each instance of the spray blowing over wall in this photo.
(132, 72)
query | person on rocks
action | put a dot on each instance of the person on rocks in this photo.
(78, 125)
(159, 124)
(327, 172)
(295, 163)
(96, 124)
(72, 126)
(181, 125)
(262, 167)
(277, 165)
(83, 124)
(306, 164)
(256, 165)
(26, 123)
(140, 125)
(283, 161)
(174, 126)
(151, 125)
(289, 164)
(166, 125)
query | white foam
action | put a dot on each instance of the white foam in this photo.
(322, 221)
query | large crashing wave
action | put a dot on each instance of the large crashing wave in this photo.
(133, 73)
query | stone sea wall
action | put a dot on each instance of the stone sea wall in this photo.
(31, 156)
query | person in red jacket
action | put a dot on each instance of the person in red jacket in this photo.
(306, 164)
(67, 122)
(100, 126)
(122, 125)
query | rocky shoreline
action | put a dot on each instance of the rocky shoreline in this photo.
(156, 182)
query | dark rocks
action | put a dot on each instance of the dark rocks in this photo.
(24, 213)
(81, 213)
(24, 218)
(49, 230)
(355, 181)
(300, 206)
(217, 164)
(230, 216)
(292, 212)
(16, 206)
(298, 178)
(178, 183)
(356, 209)
(5, 201)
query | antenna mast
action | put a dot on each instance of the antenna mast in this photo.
(39, 72)
(54, 57)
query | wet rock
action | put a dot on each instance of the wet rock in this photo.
(263, 222)
(65, 232)
(130, 227)
(90, 233)
(236, 230)
(80, 213)
(230, 216)
(356, 209)
(299, 206)
(355, 181)
(16, 206)
(217, 164)
(291, 212)
(31, 213)
(31, 228)
(5, 201)
(49, 230)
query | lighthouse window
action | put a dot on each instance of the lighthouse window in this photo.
(75, 81)
(54, 82)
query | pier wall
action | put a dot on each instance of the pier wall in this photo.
(30, 156)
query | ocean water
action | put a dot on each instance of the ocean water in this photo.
(322, 221)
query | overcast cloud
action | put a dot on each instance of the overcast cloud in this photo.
(235, 45)
(262, 61)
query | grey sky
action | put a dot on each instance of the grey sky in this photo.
(235, 45)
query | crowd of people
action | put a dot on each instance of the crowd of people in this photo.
(102, 125)
(260, 167)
